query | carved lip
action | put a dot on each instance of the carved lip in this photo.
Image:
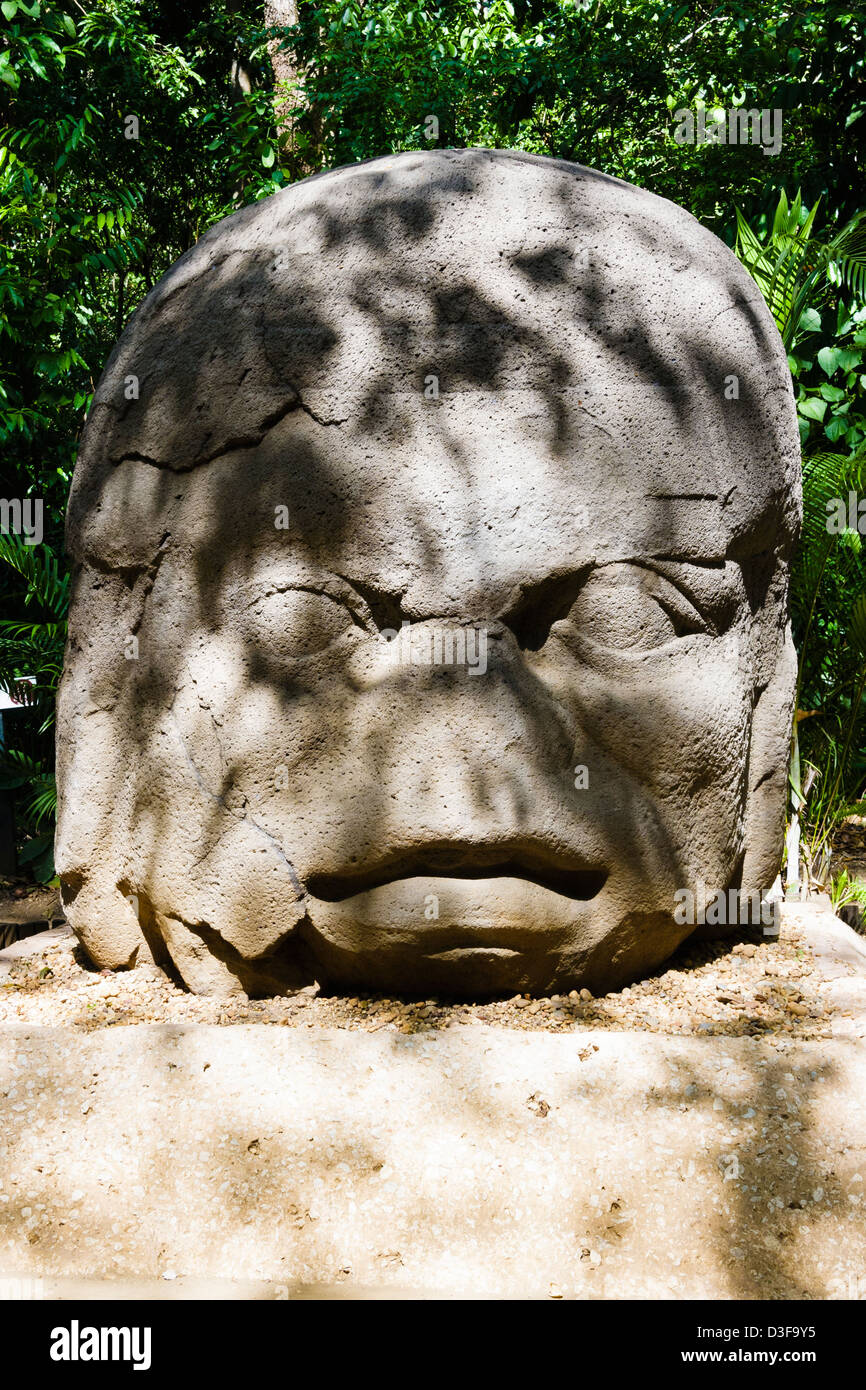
(580, 884)
(499, 922)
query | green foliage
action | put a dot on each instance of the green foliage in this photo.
(31, 658)
(31, 647)
(828, 604)
(844, 890)
(791, 267)
(595, 83)
(814, 288)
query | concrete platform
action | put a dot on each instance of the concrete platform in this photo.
(35, 944)
(272, 1162)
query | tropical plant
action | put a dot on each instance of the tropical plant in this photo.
(31, 657)
(816, 291)
(845, 890)
(828, 603)
(796, 271)
(814, 287)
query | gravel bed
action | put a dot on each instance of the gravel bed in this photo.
(750, 988)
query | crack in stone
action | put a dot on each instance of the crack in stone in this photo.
(221, 801)
(151, 570)
(296, 882)
(326, 424)
(249, 440)
(684, 496)
(595, 420)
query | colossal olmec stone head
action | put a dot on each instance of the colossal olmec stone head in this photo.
(531, 419)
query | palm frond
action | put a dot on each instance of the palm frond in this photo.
(847, 251)
(827, 478)
(42, 804)
(38, 566)
(794, 270)
(857, 627)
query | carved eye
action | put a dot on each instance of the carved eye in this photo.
(629, 608)
(297, 622)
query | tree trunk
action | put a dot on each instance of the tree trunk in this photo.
(287, 100)
(283, 14)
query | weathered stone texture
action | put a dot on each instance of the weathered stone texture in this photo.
(491, 390)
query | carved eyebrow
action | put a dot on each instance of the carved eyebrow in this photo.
(704, 584)
(710, 571)
(538, 604)
(711, 586)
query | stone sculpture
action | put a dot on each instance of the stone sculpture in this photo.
(430, 527)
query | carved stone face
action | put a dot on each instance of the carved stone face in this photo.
(538, 424)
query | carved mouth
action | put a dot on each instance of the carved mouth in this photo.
(578, 884)
(453, 916)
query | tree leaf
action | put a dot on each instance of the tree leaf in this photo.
(836, 427)
(813, 408)
(828, 357)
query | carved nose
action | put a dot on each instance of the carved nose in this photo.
(478, 727)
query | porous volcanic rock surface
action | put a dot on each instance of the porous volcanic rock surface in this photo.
(430, 529)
